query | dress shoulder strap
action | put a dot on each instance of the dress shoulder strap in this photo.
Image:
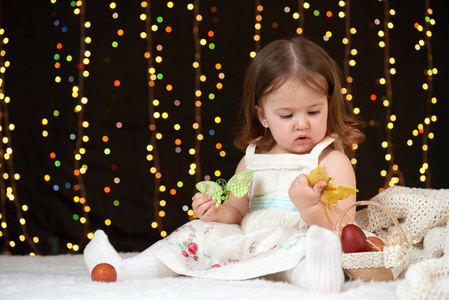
(322, 145)
(251, 149)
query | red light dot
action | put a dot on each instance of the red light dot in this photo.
(210, 33)
(53, 155)
(117, 82)
(114, 167)
(421, 130)
(59, 46)
(373, 97)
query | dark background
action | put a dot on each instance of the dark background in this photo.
(52, 215)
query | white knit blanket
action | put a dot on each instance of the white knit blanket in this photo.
(423, 214)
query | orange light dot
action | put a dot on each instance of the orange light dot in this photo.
(52, 155)
(218, 146)
(117, 82)
(107, 189)
(76, 172)
(210, 33)
(373, 97)
(178, 142)
(198, 103)
(158, 175)
(169, 87)
(173, 192)
(120, 32)
(219, 85)
(147, 55)
(328, 14)
(416, 25)
(57, 65)
(151, 83)
(105, 139)
(59, 46)
(168, 29)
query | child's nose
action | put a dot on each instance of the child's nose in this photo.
(302, 124)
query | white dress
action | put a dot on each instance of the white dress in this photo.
(270, 238)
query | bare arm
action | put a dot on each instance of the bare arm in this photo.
(306, 198)
(231, 212)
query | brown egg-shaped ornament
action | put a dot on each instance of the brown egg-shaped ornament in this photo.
(104, 273)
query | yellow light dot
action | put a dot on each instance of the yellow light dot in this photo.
(12, 244)
(163, 234)
(217, 173)
(383, 173)
(390, 125)
(409, 143)
(195, 126)
(107, 222)
(425, 147)
(22, 221)
(22, 238)
(154, 224)
(386, 103)
(192, 151)
(35, 239)
(217, 120)
(388, 157)
(353, 161)
(422, 178)
(162, 214)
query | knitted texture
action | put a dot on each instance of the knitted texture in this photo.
(424, 214)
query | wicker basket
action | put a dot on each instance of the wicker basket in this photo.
(384, 265)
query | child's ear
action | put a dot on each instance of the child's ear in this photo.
(261, 116)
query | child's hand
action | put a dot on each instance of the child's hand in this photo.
(303, 195)
(204, 208)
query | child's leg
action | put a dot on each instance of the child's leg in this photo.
(142, 266)
(321, 269)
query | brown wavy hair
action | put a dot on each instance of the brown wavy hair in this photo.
(306, 61)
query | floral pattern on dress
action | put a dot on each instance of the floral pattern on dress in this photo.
(195, 259)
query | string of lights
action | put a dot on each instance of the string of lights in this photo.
(429, 73)
(8, 187)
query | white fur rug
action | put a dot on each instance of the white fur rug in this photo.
(66, 277)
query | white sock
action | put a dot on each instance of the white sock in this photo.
(145, 265)
(321, 269)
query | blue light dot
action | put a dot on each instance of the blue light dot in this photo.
(64, 29)
(71, 78)
(67, 185)
(56, 187)
(56, 23)
(211, 132)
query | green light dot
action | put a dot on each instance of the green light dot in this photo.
(56, 113)
(180, 184)
(76, 217)
(57, 163)
(73, 3)
(427, 18)
(160, 19)
(116, 203)
(211, 96)
(160, 76)
(211, 46)
(115, 44)
(316, 13)
(57, 56)
(69, 58)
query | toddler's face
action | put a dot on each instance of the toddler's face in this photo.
(296, 117)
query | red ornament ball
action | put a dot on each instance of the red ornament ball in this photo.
(104, 273)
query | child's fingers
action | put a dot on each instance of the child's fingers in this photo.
(319, 186)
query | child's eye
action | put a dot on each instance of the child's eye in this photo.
(314, 112)
(286, 116)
